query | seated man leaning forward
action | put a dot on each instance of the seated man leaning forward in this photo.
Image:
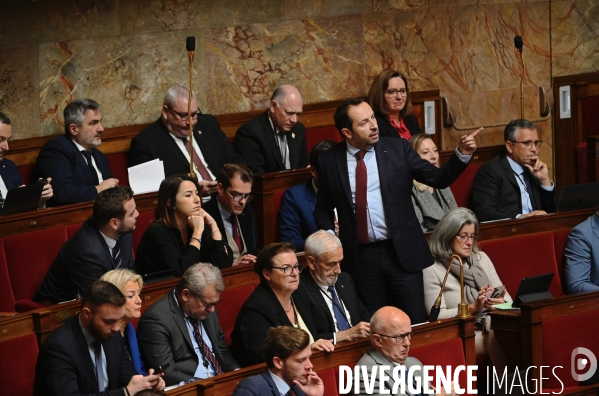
(288, 367)
(581, 264)
(391, 332)
(87, 354)
(182, 330)
(517, 184)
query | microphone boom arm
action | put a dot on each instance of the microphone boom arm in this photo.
(462, 307)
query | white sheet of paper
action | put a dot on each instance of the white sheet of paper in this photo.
(146, 177)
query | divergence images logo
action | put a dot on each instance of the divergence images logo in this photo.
(583, 363)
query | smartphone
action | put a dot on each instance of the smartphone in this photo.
(489, 292)
(498, 291)
(161, 369)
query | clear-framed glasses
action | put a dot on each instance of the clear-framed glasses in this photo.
(528, 143)
(237, 197)
(393, 92)
(288, 269)
(465, 237)
(184, 116)
(207, 306)
(398, 338)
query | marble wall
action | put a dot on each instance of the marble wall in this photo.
(125, 54)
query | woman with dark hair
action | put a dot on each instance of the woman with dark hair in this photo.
(182, 233)
(430, 204)
(389, 97)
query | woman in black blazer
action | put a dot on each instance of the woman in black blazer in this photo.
(277, 301)
(389, 97)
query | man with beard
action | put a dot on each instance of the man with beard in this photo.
(79, 171)
(336, 309)
(288, 367)
(104, 242)
(86, 355)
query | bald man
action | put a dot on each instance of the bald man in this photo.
(275, 140)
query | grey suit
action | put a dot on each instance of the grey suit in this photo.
(164, 339)
(581, 257)
(427, 208)
(375, 358)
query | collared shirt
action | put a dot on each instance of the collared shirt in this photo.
(181, 145)
(524, 196)
(110, 242)
(201, 370)
(3, 188)
(90, 339)
(280, 141)
(81, 148)
(329, 301)
(226, 216)
(281, 385)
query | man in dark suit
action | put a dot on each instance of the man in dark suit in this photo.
(288, 367)
(275, 140)
(104, 242)
(517, 184)
(336, 309)
(369, 181)
(234, 217)
(168, 140)
(87, 353)
(296, 213)
(79, 171)
(182, 329)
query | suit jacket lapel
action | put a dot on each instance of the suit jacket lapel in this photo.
(595, 225)
(346, 297)
(271, 140)
(179, 317)
(316, 292)
(381, 162)
(511, 177)
(381, 360)
(342, 170)
(85, 355)
(167, 141)
(293, 162)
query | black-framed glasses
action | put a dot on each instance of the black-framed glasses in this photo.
(207, 306)
(237, 197)
(465, 237)
(288, 269)
(398, 338)
(393, 92)
(528, 143)
(184, 116)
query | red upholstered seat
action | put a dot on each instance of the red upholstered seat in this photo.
(316, 135)
(7, 298)
(231, 301)
(18, 357)
(119, 163)
(277, 197)
(523, 256)
(560, 237)
(143, 222)
(72, 229)
(26, 172)
(329, 379)
(28, 257)
(462, 187)
(445, 353)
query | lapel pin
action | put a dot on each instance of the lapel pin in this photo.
(292, 135)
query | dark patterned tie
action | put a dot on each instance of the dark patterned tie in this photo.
(338, 310)
(198, 162)
(528, 188)
(361, 188)
(236, 236)
(88, 156)
(116, 255)
(99, 366)
(204, 348)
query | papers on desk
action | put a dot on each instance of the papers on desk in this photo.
(146, 177)
(505, 307)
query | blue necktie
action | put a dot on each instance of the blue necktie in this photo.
(338, 310)
(413, 382)
(116, 255)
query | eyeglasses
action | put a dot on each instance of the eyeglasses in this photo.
(528, 143)
(184, 116)
(398, 338)
(207, 306)
(465, 237)
(288, 269)
(393, 92)
(237, 197)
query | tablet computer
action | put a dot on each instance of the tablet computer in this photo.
(22, 199)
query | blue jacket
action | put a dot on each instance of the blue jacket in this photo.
(296, 214)
(261, 385)
(131, 340)
(581, 257)
(10, 174)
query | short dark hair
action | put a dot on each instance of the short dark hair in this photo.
(282, 341)
(102, 292)
(4, 119)
(74, 113)
(376, 94)
(168, 192)
(109, 204)
(230, 171)
(342, 118)
(264, 261)
(318, 149)
(512, 129)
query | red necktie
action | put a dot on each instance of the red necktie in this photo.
(361, 183)
(198, 162)
(204, 348)
(236, 236)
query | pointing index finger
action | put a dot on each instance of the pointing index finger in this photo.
(473, 134)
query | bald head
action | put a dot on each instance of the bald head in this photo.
(286, 105)
(386, 323)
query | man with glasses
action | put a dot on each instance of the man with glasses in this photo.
(168, 140)
(234, 217)
(182, 330)
(517, 184)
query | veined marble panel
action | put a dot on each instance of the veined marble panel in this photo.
(19, 91)
(34, 22)
(127, 75)
(295, 9)
(324, 58)
(147, 16)
(575, 36)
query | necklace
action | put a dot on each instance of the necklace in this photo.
(290, 306)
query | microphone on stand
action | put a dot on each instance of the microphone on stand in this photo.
(190, 44)
(519, 44)
(462, 307)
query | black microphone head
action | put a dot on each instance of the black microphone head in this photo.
(191, 43)
(518, 42)
(434, 314)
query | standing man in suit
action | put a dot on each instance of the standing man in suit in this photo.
(104, 242)
(79, 171)
(9, 173)
(369, 181)
(234, 217)
(296, 213)
(275, 140)
(182, 328)
(517, 184)
(288, 367)
(168, 139)
(581, 257)
(86, 355)
(336, 309)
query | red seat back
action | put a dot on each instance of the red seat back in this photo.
(316, 135)
(72, 229)
(26, 172)
(143, 222)
(560, 237)
(231, 301)
(277, 197)
(444, 353)
(462, 187)
(329, 379)
(119, 164)
(7, 298)
(18, 357)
